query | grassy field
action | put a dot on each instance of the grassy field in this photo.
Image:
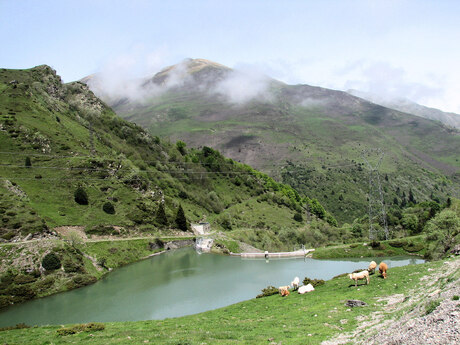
(296, 319)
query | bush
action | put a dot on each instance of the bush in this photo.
(298, 217)
(413, 248)
(108, 208)
(23, 279)
(51, 262)
(45, 284)
(85, 327)
(81, 280)
(9, 235)
(314, 282)
(80, 196)
(100, 230)
(375, 244)
(268, 291)
(431, 306)
(18, 326)
(71, 266)
(397, 244)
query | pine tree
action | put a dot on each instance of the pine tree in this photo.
(28, 162)
(181, 221)
(80, 196)
(161, 215)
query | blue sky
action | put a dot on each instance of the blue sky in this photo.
(395, 48)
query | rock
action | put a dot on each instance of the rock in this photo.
(355, 303)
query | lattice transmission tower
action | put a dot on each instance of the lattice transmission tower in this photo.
(377, 214)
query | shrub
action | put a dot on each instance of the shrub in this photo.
(80, 196)
(298, 217)
(100, 230)
(413, 247)
(9, 235)
(45, 283)
(314, 282)
(18, 326)
(23, 279)
(375, 244)
(71, 266)
(51, 262)
(431, 306)
(81, 280)
(268, 291)
(397, 243)
(157, 244)
(88, 327)
(108, 208)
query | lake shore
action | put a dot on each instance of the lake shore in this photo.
(312, 318)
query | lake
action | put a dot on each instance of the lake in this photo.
(177, 283)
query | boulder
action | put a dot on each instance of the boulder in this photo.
(355, 303)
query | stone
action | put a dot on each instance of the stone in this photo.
(355, 303)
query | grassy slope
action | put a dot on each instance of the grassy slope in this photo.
(323, 141)
(305, 319)
(50, 123)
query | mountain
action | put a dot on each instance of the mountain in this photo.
(69, 160)
(310, 137)
(407, 106)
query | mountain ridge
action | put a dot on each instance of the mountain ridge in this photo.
(302, 130)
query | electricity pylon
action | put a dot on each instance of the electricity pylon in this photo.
(377, 212)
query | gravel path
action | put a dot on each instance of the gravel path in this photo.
(441, 326)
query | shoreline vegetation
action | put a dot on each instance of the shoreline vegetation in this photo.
(310, 319)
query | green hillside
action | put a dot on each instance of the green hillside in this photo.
(57, 138)
(309, 137)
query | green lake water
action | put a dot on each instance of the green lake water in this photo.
(177, 283)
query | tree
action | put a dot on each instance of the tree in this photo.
(161, 218)
(411, 197)
(108, 208)
(51, 262)
(80, 196)
(298, 217)
(181, 221)
(444, 232)
(28, 162)
(181, 147)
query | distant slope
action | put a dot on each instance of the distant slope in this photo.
(407, 106)
(309, 137)
(57, 137)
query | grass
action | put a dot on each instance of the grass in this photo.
(297, 319)
(356, 250)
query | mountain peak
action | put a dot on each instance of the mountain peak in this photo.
(190, 67)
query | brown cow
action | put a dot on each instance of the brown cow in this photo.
(383, 269)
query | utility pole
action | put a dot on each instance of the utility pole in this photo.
(377, 212)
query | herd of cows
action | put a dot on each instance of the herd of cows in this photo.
(383, 267)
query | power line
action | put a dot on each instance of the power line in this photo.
(375, 196)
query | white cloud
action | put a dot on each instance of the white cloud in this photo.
(244, 84)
